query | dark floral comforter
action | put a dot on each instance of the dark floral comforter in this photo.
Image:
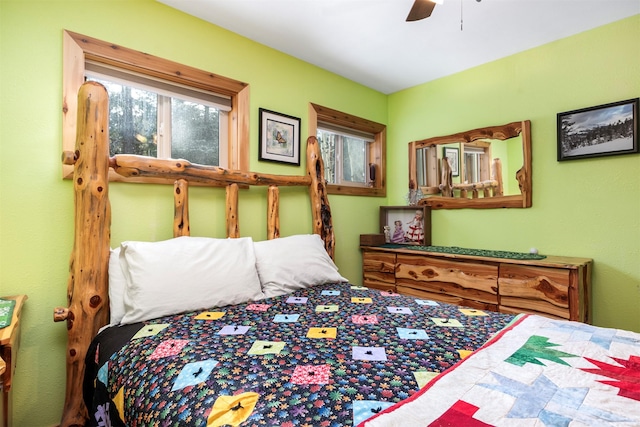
(331, 355)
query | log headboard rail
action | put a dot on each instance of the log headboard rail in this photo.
(87, 287)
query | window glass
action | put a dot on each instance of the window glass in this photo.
(327, 141)
(195, 132)
(345, 158)
(474, 157)
(133, 120)
(147, 123)
(471, 167)
(354, 162)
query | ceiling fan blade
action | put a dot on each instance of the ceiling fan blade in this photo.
(421, 9)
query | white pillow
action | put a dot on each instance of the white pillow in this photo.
(117, 285)
(187, 274)
(295, 262)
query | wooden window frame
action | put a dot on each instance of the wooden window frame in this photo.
(484, 163)
(78, 48)
(377, 149)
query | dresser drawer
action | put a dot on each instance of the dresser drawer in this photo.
(379, 261)
(460, 280)
(449, 299)
(535, 289)
(378, 270)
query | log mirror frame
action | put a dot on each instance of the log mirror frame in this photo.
(436, 197)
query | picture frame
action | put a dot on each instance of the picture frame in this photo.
(279, 138)
(603, 130)
(403, 217)
(453, 154)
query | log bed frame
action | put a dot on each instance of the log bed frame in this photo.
(87, 288)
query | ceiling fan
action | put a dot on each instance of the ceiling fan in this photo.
(422, 9)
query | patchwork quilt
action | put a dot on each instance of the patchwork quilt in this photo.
(331, 355)
(537, 372)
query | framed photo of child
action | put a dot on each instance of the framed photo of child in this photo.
(406, 225)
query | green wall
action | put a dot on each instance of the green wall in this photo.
(36, 204)
(568, 217)
(584, 208)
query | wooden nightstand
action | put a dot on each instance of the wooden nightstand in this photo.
(9, 344)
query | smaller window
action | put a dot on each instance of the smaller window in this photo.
(345, 156)
(472, 162)
(353, 152)
(476, 165)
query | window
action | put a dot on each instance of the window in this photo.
(472, 162)
(353, 151)
(345, 156)
(154, 118)
(476, 167)
(158, 107)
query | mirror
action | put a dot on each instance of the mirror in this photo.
(488, 167)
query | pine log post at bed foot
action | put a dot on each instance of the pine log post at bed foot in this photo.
(87, 288)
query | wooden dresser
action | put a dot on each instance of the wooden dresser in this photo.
(558, 287)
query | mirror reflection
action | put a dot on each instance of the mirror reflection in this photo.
(482, 168)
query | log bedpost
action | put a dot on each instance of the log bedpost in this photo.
(273, 212)
(320, 209)
(233, 228)
(497, 176)
(446, 180)
(181, 208)
(87, 288)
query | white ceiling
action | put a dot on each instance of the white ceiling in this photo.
(368, 41)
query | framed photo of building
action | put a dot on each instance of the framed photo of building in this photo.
(603, 130)
(406, 225)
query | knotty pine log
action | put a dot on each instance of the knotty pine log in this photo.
(446, 179)
(320, 209)
(438, 202)
(525, 181)
(273, 212)
(233, 228)
(482, 185)
(498, 190)
(87, 288)
(181, 225)
(129, 165)
(509, 130)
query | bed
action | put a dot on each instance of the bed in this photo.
(230, 331)
(536, 372)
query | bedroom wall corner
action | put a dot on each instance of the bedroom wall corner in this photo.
(585, 208)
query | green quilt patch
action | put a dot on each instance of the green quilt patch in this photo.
(535, 350)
